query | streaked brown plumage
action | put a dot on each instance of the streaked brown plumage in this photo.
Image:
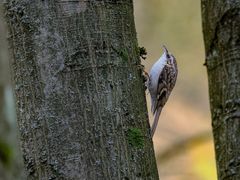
(161, 81)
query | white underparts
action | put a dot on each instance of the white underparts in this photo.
(157, 69)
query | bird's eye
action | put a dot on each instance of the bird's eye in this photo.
(168, 56)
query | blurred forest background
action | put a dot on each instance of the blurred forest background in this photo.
(183, 141)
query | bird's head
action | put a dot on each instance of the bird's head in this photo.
(170, 58)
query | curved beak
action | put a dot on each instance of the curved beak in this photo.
(165, 49)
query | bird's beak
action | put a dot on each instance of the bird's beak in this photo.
(165, 49)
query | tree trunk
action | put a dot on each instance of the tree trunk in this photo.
(221, 28)
(10, 160)
(79, 92)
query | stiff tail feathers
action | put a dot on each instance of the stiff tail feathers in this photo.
(155, 121)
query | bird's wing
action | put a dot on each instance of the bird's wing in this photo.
(160, 99)
(161, 94)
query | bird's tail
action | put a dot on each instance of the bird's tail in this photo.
(155, 121)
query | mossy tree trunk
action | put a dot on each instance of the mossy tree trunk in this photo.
(79, 92)
(221, 28)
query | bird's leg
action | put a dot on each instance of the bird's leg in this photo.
(142, 68)
(142, 52)
(145, 75)
(146, 78)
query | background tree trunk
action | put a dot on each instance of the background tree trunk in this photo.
(10, 159)
(221, 28)
(80, 99)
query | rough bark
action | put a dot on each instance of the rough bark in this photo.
(10, 161)
(80, 99)
(221, 28)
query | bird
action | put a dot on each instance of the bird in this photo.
(160, 83)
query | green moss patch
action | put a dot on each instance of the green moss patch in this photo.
(5, 153)
(135, 137)
(123, 53)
